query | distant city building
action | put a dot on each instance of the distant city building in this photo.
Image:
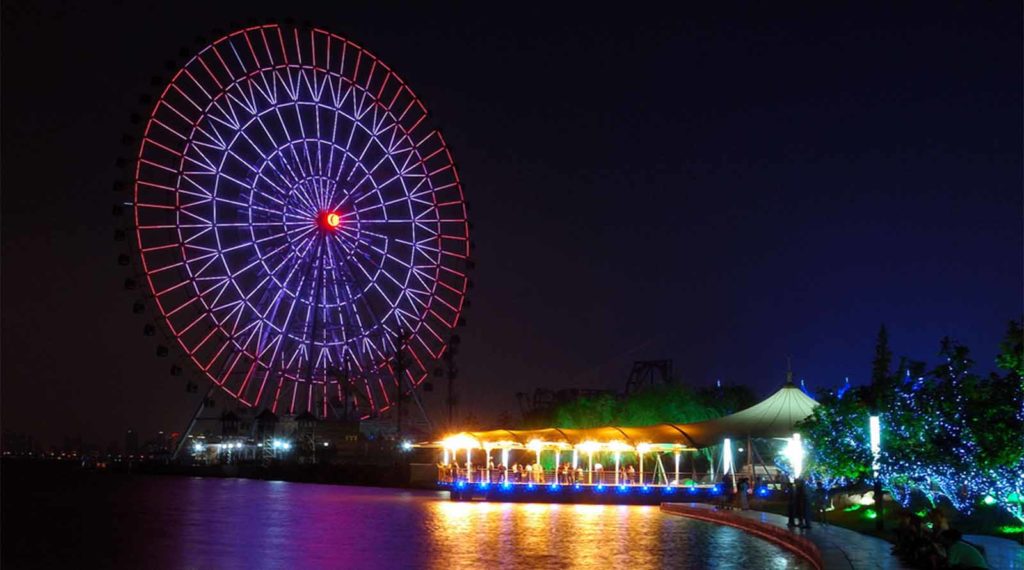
(229, 424)
(131, 442)
(15, 443)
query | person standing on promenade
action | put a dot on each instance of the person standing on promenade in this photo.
(820, 501)
(807, 506)
(790, 504)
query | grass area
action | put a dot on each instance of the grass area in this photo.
(984, 520)
(860, 519)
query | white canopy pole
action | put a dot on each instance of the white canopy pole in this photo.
(641, 449)
(677, 466)
(617, 456)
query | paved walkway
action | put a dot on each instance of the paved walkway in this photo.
(846, 549)
(1001, 553)
(841, 549)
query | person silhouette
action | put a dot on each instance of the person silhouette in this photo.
(791, 504)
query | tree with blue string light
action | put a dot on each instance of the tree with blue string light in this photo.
(948, 433)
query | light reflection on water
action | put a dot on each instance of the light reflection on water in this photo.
(475, 535)
(165, 522)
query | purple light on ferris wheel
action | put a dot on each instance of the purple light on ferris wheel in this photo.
(294, 215)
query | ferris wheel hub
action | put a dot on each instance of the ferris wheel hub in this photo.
(329, 220)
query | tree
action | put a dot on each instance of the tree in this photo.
(998, 422)
(586, 412)
(946, 432)
(667, 404)
(836, 436)
(1011, 350)
(727, 399)
(881, 377)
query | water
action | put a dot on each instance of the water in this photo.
(99, 520)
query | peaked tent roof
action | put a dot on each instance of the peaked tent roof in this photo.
(774, 416)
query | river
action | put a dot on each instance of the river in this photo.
(100, 520)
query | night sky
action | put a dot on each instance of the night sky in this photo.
(723, 189)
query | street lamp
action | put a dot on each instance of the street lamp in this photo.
(727, 466)
(795, 455)
(875, 429)
(876, 442)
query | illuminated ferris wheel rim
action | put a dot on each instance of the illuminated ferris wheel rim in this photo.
(376, 271)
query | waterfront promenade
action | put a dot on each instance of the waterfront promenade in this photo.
(830, 546)
(835, 547)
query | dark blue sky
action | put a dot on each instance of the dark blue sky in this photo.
(721, 188)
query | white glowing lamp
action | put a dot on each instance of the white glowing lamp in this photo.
(876, 442)
(460, 441)
(795, 454)
(618, 446)
(589, 446)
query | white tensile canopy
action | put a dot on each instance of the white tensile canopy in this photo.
(774, 416)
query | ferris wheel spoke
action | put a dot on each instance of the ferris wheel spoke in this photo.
(384, 297)
(196, 275)
(279, 190)
(222, 379)
(202, 60)
(293, 258)
(275, 346)
(452, 308)
(252, 327)
(213, 360)
(433, 333)
(340, 300)
(240, 392)
(275, 145)
(216, 299)
(329, 171)
(343, 165)
(353, 257)
(200, 346)
(319, 168)
(256, 289)
(297, 164)
(305, 137)
(286, 324)
(170, 129)
(198, 158)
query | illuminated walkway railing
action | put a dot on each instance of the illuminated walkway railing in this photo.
(491, 485)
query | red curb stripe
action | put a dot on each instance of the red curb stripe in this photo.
(797, 544)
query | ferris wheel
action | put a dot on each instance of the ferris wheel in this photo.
(301, 228)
